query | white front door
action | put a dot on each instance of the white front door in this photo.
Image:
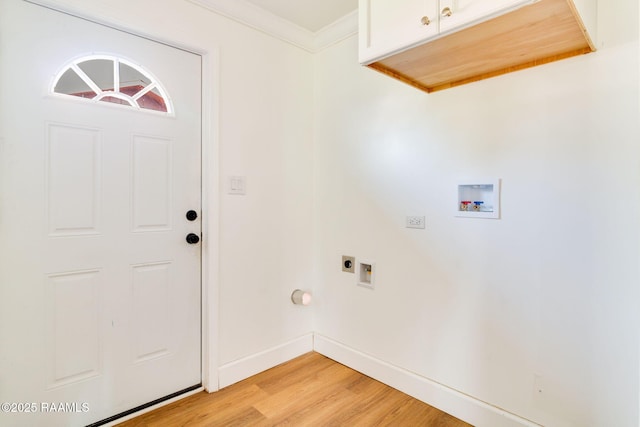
(99, 288)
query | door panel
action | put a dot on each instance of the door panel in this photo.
(151, 310)
(99, 290)
(73, 180)
(151, 178)
(73, 311)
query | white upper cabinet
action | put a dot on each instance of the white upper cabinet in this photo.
(456, 14)
(390, 26)
(438, 44)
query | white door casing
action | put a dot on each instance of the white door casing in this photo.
(99, 290)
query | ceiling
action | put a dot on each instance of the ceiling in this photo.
(312, 15)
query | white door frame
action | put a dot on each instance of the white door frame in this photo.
(209, 186)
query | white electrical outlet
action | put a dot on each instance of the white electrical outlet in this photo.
(415, 222)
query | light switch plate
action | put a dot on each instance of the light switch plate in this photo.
(237, 185)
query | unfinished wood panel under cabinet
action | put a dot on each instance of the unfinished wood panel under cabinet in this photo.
(543, 32)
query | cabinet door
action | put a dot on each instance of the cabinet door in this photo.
(455, 14)
(387, 26)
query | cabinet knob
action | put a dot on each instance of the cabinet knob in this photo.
(446, 12)
(425, 20)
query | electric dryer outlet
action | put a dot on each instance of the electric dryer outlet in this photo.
(348, 264)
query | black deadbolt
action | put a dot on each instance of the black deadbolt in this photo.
(192, 239)
(347, 264)
(192, 215)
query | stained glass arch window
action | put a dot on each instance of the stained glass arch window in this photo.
(106, 78)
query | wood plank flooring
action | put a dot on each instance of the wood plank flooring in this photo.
(310, 390)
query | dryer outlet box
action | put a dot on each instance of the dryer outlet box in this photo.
(348, 264)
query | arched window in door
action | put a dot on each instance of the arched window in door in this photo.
(105, 78)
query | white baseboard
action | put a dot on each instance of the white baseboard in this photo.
(466, 408)
(244, 368)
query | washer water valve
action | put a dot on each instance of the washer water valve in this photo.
(477, 206)
(464, 205)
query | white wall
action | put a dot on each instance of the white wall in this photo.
(483, 306)
(262, 98)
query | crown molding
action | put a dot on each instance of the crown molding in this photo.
(337, 31)
(255, 17)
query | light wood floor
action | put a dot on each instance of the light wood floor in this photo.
(310, 390)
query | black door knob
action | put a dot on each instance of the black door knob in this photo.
(192, 239)
(192, 215)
